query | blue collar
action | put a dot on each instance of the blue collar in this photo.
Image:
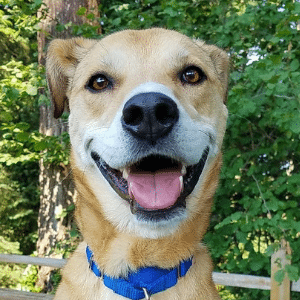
(142, 283)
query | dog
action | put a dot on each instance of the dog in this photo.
(146, 124)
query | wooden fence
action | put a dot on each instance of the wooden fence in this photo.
(278, 292)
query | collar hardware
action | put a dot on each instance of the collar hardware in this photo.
(142, 283)
(147, 296)
(91, 261)
(179, 271)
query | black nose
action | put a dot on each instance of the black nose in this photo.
(150, 116)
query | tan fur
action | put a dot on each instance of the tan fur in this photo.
(133, 58)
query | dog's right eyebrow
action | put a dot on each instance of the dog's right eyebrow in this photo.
(113, 60)
(103, 64)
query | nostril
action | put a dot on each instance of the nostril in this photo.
(149, 116)
(133, 115)
(165, 113)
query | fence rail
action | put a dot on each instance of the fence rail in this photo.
(8, 294)
(31, 260)
(237, 280)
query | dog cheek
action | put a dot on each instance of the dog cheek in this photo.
(77, 142)
(220, 125)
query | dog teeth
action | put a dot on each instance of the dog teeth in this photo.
(181, 182)
(132, 207)
(183, 170)
(125, 173)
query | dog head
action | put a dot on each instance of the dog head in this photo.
(147, 120)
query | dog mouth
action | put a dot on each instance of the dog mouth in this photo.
(156, 186)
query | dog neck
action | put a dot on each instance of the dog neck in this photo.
(137, 252)
(142, 283)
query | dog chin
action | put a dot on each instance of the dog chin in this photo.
(124, 221)
(156, 230)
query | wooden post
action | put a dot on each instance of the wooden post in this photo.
(278, 262)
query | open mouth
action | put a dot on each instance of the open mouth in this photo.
(156, 187)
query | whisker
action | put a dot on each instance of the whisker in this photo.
(66, 177)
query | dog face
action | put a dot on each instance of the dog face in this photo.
(147, 119)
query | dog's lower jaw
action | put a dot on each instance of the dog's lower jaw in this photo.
(106, 240)
(157, 230)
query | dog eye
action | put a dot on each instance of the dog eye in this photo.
(192, 75)
(98, 83)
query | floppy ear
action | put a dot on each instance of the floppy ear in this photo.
(61, 62)
(220, 60)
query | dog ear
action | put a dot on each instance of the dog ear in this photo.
(61, 62)
(220, 60)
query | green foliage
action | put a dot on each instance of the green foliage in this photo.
(29, 279)
(257, 203)
(18, 118)
(55, 280)
(18, 158)
(9, 273)
(21, 145)
(151, 13)
(18, 209)
(17, 29)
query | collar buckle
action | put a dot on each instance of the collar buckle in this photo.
(91, 262)
(147, 296)
(179, 271)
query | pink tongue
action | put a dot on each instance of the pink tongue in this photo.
(155, 190)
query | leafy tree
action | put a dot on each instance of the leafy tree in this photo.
(19, 81)
(258, 199)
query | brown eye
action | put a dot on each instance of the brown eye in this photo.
(192, 75)
(98, 83)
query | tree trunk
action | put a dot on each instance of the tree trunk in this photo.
(56, 186)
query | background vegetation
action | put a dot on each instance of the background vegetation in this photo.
(257, 203)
